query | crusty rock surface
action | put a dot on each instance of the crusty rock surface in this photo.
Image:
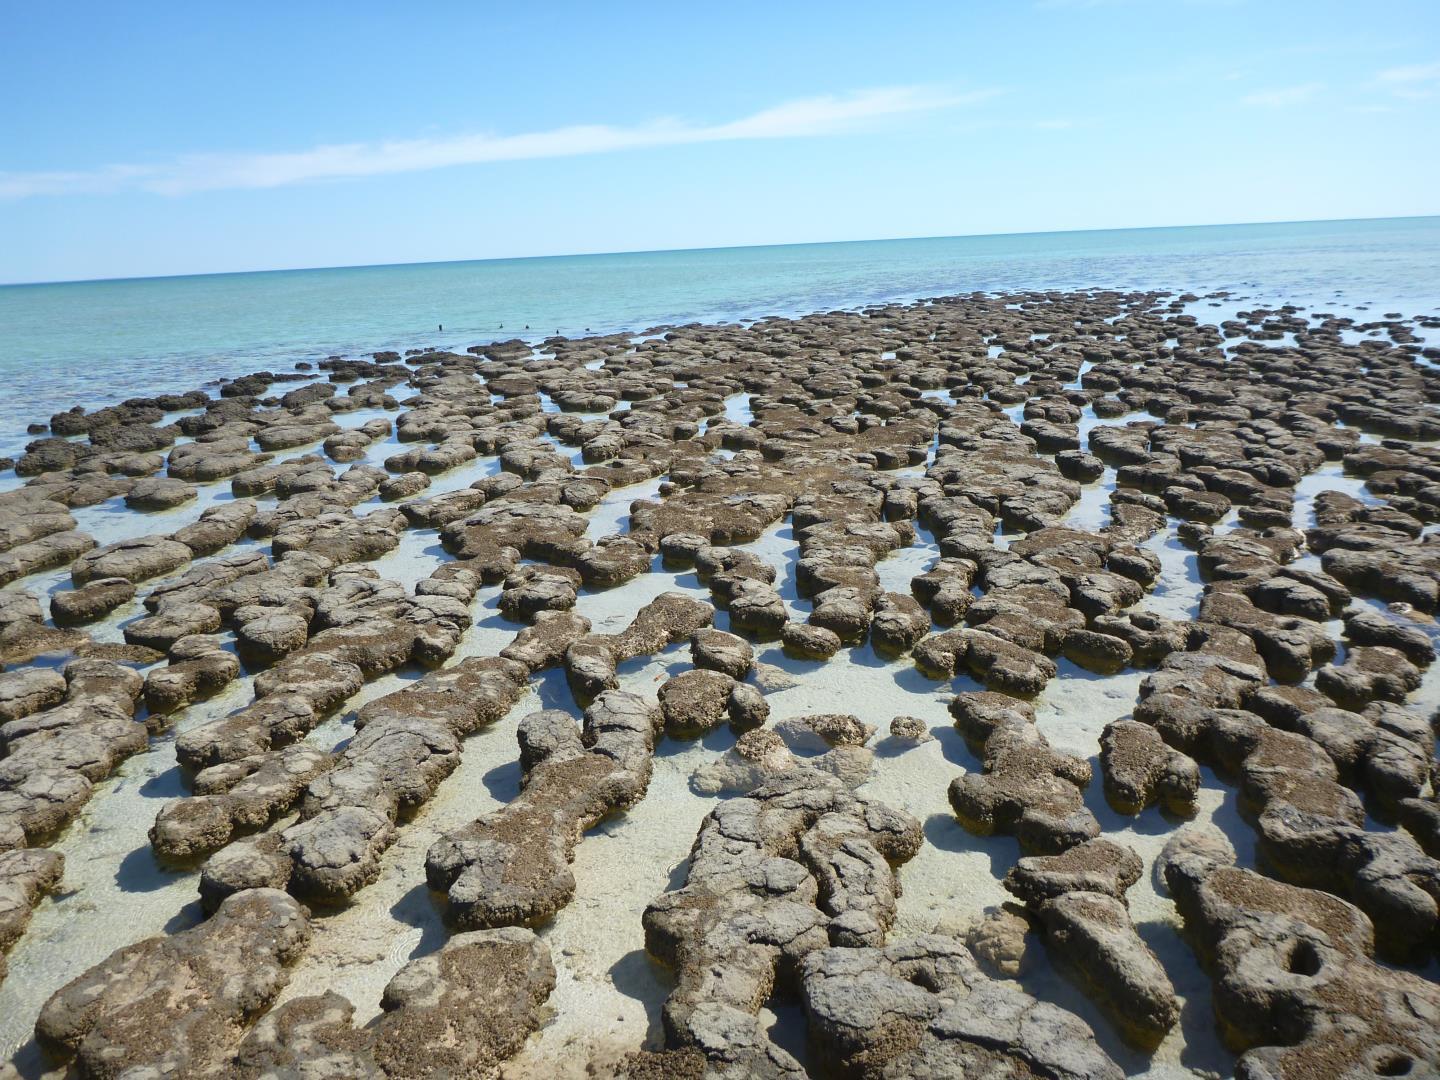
(178, 1004)
(700, 700)
(1001, 942)
(26, 876)
(1078, 897)
(29, 690)
(591, 661)
(512, 867)
(1028, 789)
(1295, 987)
(133, 560)
(349, 803)
(54, 757)
(459, 1011)
(239, 796)
(910, 729)
(922, 1007)
(71, 607)
(718, 651)
(793, 866)
(1141, 771)
(200, 666)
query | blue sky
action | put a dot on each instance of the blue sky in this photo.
(156, 138)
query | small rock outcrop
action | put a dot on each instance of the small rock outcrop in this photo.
(512, 867)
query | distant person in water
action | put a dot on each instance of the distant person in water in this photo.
(439, 327)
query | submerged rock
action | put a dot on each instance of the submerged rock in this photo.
(26, 875)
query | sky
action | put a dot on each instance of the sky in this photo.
(156, 138)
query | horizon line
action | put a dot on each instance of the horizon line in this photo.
(715, 247)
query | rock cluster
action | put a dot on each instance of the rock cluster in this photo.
(591, 660)
(1078, 898)
(460, 1011)
(922, 1007)
(182, 1004)
(512, 867)
(178, 1004)
(26, 875)
(976, 427)
(1295, 987)
(792, 867)
(1028, 789)
(51, 759)
(1300, 759)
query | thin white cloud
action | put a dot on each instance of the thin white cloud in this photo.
(809, 117)
(1411, 82)
(1410, 73)
(1283, 96)
(17, 185)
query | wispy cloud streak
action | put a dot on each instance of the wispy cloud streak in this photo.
(1410, 73)
(1414, 82)
(808, 117)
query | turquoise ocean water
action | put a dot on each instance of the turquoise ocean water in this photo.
(97, 342)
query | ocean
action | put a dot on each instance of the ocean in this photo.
(97, 342)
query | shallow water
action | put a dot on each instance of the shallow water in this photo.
(94, 343)
(609, 993)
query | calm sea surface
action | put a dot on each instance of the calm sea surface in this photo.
(94, 343)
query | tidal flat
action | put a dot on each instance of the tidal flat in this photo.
(1034, 684)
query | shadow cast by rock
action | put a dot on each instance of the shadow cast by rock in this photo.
(417, 909)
